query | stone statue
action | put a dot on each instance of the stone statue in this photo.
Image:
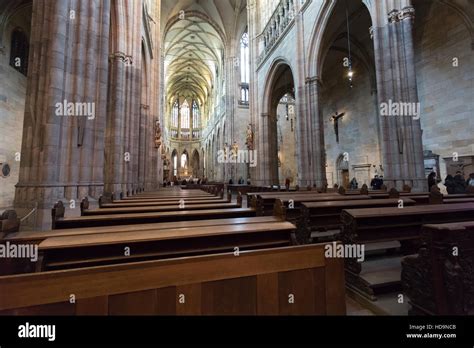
(249, 141)
(157, 134)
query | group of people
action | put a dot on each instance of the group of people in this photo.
(454, 184)
(176, 181)
(240, 182)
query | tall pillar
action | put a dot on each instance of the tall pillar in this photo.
(121, 151)
(62, 148)
(396, 84)
(317, 148)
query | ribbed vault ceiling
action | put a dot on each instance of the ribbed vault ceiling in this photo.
(193, 54)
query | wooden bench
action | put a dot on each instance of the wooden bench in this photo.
(38, 236)
(85, 211)
(61, 222)
(374, 225)
(264, 204)
(251, 196)
(439, 279)
(254, 283)
(110, 248)
(171, 195)
(17, 266)
(151, 202)
(9, 222)
(325, 217)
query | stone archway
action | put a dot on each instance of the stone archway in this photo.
(195, 164)
(280, 82)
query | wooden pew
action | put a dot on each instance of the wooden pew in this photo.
(144, 203)
(85, 211)
(325, 217)
(9, 222)
(374, 225)
(120, 247)
(38, 236)
(61, 222)
(264, 204)
(171, 195)
(254, 283)
(17, 266)
(438, 280)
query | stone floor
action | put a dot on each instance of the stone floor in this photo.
(354, 308)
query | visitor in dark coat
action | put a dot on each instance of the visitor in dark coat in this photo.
(431, 180)
(449, 183)
(459, 183)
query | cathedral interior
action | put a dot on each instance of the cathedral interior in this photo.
(148, 102)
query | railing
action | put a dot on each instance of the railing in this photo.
(281, 18)
(33, 212)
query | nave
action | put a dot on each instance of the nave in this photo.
(242, 250)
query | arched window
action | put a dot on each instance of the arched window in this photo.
(174, 115)
(196, 121)
(196, 116)
(244, 58)
(184, 161)
(175, 165)
(244, 68)
(19, 51)
(185, 115)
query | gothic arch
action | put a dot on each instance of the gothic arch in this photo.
(271, 78)
(456, 8)
(316, 52)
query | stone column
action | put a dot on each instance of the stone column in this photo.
(62, 148)
(317, 148)
(252, 15)
(121, 152)
(396, 84)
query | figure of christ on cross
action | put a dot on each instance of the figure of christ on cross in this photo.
(335, 118)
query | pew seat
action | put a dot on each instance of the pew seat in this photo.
(97, 249)
(438, 279)
(364, 226)
(258, 282)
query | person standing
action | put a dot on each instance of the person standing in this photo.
(375, 183)
(470, 180)
(431, 180)
(459, 183)
(354, 185)
(449, 183)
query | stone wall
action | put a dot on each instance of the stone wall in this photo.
(446, 91)
(12, 105)
(358, 129)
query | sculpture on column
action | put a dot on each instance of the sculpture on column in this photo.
(249, 141)
(157, 134)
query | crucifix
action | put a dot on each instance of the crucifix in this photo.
(335, 118)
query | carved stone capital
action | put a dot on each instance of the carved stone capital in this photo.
(313, 80)
(120, 56)
(393, 16)
(407, 13)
